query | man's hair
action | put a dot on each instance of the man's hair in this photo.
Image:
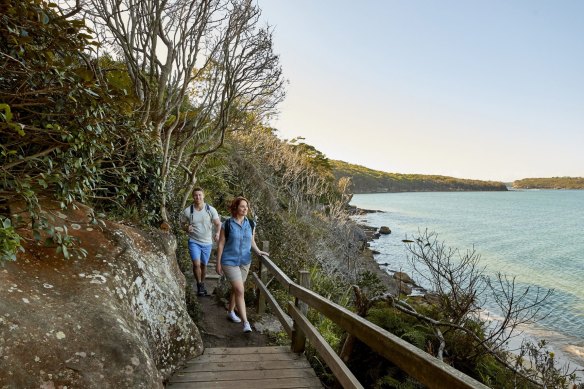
(198, 189)
(235, 204)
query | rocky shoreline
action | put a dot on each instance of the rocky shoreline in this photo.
(397, 282)
(401, 282)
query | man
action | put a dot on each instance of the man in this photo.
(198, 220)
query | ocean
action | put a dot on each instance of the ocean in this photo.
(536, 236)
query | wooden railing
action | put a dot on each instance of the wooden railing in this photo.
(421, 366)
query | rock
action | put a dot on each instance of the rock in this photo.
(375, 252)
(405, 288)
(401, 276)
(384, 230)
(268, 324)
(114, 319)
(364, 211)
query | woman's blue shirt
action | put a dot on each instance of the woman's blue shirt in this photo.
(237, 249)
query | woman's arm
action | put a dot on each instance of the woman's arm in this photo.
(255, 247)
(220, 246)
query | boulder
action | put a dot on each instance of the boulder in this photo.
(384, 230)
(404, 277)
(405, 288)
(115, 318)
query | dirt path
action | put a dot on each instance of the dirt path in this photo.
(218, 331)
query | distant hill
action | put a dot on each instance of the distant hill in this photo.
(550, 183)
(367, 180)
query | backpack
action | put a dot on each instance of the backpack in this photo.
(207, 208)
(228, 227)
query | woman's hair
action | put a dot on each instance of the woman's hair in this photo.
(235, 204)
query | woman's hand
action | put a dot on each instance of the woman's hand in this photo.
(262, 253)
(220, 245)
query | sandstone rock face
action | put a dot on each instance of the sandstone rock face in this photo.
(114, 319)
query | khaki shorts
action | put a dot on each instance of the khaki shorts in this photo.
(236, 273)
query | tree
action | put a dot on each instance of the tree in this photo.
(200, 68)
(459, 286)
(281, 172)
(450, 321)
(291, 187)
(59, 120)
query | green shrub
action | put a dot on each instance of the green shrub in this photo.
(9, 241)
(389, 382)
(75, 140)
(416, 336)
(370, 284)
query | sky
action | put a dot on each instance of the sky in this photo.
(480, 89)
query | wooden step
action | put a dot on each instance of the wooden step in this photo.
(246, 368)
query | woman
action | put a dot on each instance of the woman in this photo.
(236, 241)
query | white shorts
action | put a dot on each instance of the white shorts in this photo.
(236, 273)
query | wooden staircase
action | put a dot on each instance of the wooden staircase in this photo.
(246, 368)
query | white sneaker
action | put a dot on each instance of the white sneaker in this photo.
(246, 327)
(233, 317)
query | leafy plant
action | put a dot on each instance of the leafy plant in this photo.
(65, 244)
(9, 241)
(65, 122)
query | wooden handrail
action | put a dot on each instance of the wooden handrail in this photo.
(425, 368)
(278, 311)
(339, 369)
(284, 280)
(422, 366)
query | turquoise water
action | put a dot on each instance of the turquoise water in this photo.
(535, 235)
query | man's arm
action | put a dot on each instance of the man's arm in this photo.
(217, 225)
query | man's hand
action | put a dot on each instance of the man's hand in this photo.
(190, 228)
(216, 236)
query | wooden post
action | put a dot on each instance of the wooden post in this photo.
(264, 278)
(298, 337)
